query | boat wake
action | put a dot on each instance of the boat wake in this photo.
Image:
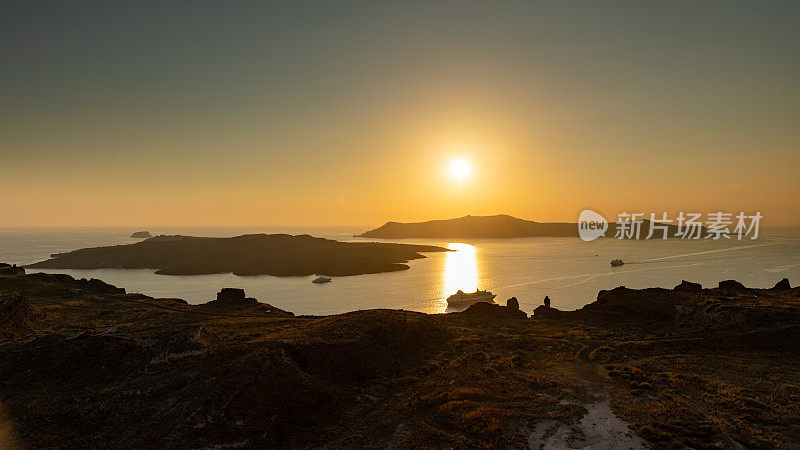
(706, 252)
(591, 276)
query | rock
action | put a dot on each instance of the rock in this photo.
(495, 311)
(653, 304)
(546, 301)
(93, 285)
(142, 235)
(543, 311)
(233, 297)
(783, 284)
(688, 286)
(230, 295)
(56, 278)
(731, 285)
(9, 269)
(512, 303)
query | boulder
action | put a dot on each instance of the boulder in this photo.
(688, 286)
(543, 311)
(230, 295)
(731, 285)
(233, 297)
(512, 303)
(495, 311)
(783, 284)
(546, 301)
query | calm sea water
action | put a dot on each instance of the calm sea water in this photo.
(568, 270)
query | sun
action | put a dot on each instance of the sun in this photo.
(460, 169)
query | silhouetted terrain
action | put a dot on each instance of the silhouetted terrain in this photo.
(499, 226)
(253, 254)
(84, 364)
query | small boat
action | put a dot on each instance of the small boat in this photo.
(617, 262)
(462, 298)
(321, 280)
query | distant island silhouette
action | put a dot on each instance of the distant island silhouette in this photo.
(254, 254)
(498, 226)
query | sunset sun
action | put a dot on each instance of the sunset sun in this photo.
(460, 169)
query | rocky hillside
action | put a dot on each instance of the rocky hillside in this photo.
(85, 364)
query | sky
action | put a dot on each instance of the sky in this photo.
(350, 113)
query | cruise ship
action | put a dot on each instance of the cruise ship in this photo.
(462, 298)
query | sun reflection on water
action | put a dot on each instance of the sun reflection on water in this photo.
(460, 269)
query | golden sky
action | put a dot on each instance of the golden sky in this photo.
(350, 114)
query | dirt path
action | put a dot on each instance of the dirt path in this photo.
(599, 428)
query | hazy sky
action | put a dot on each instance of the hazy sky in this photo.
(348, 113)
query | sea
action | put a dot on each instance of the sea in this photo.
(568, 270)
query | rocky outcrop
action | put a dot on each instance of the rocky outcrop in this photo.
(512, 303)
(689, 309)
(782, 285)
(233, 300)
(647, 304)
(142, 235)
(11, 269)
(546, 312)
(688, 286)
(494, 310)
(731, 286)
(233, 297)
(99, 287)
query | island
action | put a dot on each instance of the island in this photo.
(142, 235)
(252, 254)
(85, 364)
(497, 226)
